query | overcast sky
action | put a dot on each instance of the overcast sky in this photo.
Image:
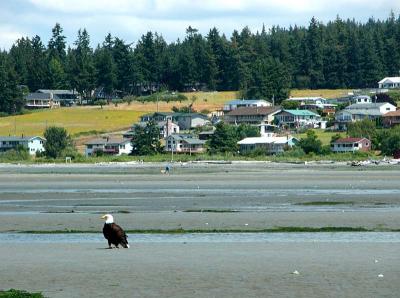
(129, 19)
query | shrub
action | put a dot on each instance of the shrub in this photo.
(57, 140)
(311, 144)
(18, 154)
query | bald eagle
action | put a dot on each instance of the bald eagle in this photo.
(114, 233)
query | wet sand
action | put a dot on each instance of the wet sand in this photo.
(203, 270)
(233, 196)
(252, 196)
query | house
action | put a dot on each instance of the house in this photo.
(166, 128)
(391, 119)
(360, 111)
(314, 103)
(252, 115)
(239, 103)
(108, 146)
(389, 83)
(361, 99)
(185, 121)
(205, 135)
(184, 143)
(65, 97)
(269, 144)
(32, 144)
(351, 145)
(39, 100)
(298, 118)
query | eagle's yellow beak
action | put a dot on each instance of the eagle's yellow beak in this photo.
(103, 217)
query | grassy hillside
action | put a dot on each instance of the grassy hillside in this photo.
(75, 120)
(113, 118)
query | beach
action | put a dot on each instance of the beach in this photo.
(200, 197)
(203, 270)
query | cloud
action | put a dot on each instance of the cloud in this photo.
(8, 35)
(129, 19)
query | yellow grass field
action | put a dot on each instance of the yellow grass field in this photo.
(201, 101)
(325, 93)
(75, 120)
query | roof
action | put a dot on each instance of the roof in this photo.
(105, 141)
(174, 115)
(369, 112)
(56, 91)
(390, 80)
(265, 140)
(19, 139)
(310, 98)
(159, 124)
(244, 111)
(392, 114)
(301, 112)
(350, 140)
(246, 101)
(190, 139)
(366, 106)
(37, 95)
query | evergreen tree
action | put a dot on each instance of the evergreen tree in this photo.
(37, 67)
(11, 101)
(314, 41)
(83, 68)
(105, 70)
(56, 48)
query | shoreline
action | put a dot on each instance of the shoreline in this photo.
(365, 163)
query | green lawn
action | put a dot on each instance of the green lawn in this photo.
(324, 136)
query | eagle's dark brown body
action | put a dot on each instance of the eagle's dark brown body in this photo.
(115, 235)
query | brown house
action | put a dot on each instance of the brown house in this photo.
(391, 119)
(252, 115)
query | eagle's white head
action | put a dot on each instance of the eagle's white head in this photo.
(109, 218)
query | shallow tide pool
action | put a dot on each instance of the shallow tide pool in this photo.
(341, 237)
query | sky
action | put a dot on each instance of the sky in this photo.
(130, 19)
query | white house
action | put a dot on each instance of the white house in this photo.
(361, 99)
(185, 121)
(39, 100)
(33, 144)
(166, 129)
(184, 143)
(109, 146)
(64, 97)
(360, 111)
(351, 145)
(239, 103)
(389, 83)
(269, 144)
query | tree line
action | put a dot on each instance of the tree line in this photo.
(263, 64)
